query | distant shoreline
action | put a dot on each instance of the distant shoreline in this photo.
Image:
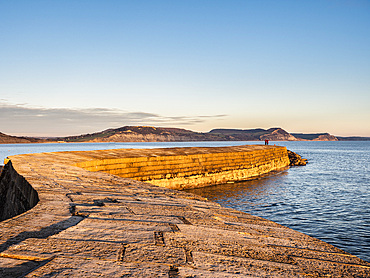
(364, 139)
(159, 134)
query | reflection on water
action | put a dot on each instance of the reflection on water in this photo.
(244, 194)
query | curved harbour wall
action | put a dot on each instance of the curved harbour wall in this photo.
(175, 168)
(184, 168)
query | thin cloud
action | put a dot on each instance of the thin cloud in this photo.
(21, 119)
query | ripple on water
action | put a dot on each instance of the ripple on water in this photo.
(328, 199)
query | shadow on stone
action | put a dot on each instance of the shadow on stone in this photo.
(42, 233)
(20, 269)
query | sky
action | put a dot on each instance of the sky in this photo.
(79, 66)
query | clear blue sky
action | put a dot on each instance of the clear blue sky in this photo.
(69, 67)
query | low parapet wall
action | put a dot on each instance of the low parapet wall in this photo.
(184, 168)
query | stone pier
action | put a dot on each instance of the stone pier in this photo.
(185, 168)
(91, 223)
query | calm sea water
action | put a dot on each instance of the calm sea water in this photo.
(328, 199)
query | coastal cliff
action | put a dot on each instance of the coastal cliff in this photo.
(315, 137)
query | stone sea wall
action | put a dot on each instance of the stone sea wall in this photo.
(184, 168)
(95, 224)
(16, 194)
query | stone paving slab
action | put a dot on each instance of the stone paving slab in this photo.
(93, 224)
(75, 267)
(73, 248)
(244, 266)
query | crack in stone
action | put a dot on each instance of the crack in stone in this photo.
(184, 220)
(159, 239)
(121, 253)
(174, 227)
(130, 210)
(73, 193)
(99, 203)
(72, 209)
(173, 272)
(188, 256)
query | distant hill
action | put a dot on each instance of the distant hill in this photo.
(353, 138)
(8, 139)
(143, 134)
(315, 136)
(161, 134)
(272, 134)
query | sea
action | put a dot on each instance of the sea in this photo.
(328, 199)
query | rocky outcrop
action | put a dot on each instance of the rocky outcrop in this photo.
(296, 159)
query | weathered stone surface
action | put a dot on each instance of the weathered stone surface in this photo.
(76, 267)
(94, 224)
